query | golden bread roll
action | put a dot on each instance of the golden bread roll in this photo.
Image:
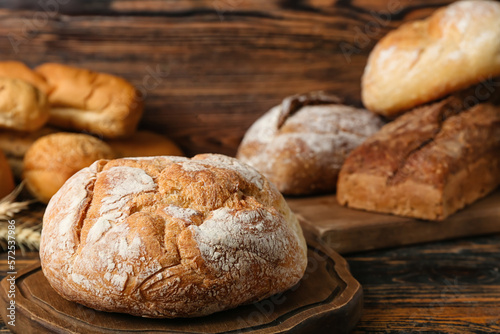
(83, 100)
(6, 179)
(301, 144)
(18, 70)
(15, 144)
(54, 158)
(144, 144)
(23, 107)
(170, 237)
(421, 61)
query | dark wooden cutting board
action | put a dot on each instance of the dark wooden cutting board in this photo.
(347, 230)
(327, 300)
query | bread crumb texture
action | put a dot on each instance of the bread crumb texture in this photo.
(170, 237)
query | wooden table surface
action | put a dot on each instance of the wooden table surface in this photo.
(443, 287)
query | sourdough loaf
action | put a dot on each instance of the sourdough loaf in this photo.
(170, 237)
(301, 144)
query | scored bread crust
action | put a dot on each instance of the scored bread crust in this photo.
(304, 155)
(84, 100)
(421, 61)
(170, 237)
(426, 164)
(23, 107)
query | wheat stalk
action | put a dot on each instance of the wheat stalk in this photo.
(27, 237)
(8, 206)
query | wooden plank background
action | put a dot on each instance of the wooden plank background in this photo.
(208, 69)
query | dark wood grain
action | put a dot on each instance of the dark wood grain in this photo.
(208, 69)
(446, 287)
(327, 300)
(442, 287)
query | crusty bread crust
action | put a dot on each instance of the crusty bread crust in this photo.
(421, 61)
(427, 164)
(170, 237)
(54, 158)
(84, 100)
(23, 107)
(303, 152)
(144, 144)
(15, 144)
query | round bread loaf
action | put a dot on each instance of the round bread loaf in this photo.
(144, 144)
(6, 178)
(54, 158)
(15, 144)
(170, 237)
(301, 144)
(23, 107)
(421, 61)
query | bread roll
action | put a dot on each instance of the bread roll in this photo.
(15, 144)
(18, 70)
(54, 158)
(170, 237)
(421, 61)
(84, 100)
(301, 144)
(23, 107)
(426, 164)
(144, 144)
(6, 179)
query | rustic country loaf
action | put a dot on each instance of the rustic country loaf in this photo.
(301, 144)
(23, 107)
(170, 237)
(84, 100)
(54, 158)
(421, 61)
(428, 163)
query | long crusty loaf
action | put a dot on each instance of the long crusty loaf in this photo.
(84, 100)
(428, 163)
(421, 61)
(170, 237)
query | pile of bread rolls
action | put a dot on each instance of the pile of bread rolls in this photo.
(98, 113)
(435, 79)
